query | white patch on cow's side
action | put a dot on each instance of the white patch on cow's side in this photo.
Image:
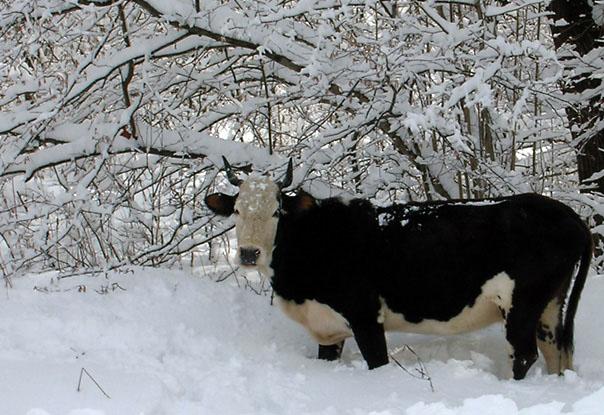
(384, 219)
(404, 222)
(496, 296)
(500, 289)
(255, 223)
(325, 324)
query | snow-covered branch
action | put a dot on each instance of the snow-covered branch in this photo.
(114, 114)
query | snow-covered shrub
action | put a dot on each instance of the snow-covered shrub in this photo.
(114, 114)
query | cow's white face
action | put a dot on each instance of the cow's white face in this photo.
(256, 213)
(257, 209)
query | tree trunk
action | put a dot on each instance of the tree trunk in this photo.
(582, 32)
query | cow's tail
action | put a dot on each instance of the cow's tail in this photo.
(566, 334)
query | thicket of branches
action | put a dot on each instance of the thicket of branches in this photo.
(114, 114)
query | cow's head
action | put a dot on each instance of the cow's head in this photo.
(257, 209)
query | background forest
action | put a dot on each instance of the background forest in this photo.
(114, 114)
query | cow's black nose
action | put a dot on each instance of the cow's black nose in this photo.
(249, 256)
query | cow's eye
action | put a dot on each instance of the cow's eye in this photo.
(276, 214)
(236, 211)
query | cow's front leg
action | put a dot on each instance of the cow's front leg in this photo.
(331, 352)
(371, 340)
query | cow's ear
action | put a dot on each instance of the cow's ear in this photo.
(298, 203)
(221, 204)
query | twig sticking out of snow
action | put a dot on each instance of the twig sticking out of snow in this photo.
(7, 281)
(419, 372)
(119, 269)
(106, 289)
(91, 378)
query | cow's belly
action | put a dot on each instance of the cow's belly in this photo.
(328, 326)
(325, 324)
(489, 307)
(482, 314)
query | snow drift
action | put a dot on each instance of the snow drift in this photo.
(167, 342)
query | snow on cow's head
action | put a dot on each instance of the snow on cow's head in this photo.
(257, 208)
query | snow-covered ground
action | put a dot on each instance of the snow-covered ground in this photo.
(167, 342)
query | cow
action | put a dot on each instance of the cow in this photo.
(354, 269)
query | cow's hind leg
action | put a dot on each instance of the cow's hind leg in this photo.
(521, 325)
(557, 358)
(331, 352)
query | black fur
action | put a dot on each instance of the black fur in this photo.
(429, 261)
(220, 203)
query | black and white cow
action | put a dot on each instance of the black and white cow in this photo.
(344, 269)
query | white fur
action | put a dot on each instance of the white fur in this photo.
(487, 309)
(255, 223)
(557, 360)
(329, 327)
(325, 324)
